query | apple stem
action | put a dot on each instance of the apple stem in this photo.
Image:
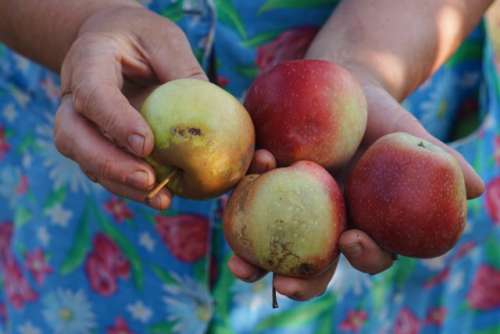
(160, 186)
(275, 299)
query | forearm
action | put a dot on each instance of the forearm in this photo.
(44, 30)
(399, 42)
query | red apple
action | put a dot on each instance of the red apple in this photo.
(408, 195)
(287, 220)
(308, 110)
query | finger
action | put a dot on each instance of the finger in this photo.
(168, 46)
(262, 162)
(160, 202)
(302, 289)
(77, 139)
(363, 253)
(386, 116)
(93, 76)
(244, 270)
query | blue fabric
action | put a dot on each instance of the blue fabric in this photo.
(77, 259)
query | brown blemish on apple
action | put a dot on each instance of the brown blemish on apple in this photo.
(186, 131)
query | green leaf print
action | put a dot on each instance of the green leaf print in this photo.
(221, 290)
(174, 11)
(228, 14)
(289, 4)
(261, 38)
(299, 315)
(57, 196)
(165, 327)
(80, 245)
(163, 275)
(492, 330)
(468, 51)
(249, 72)
(27, 142)
(325, 323)
(21, 216)
(493, 252)
(402, 269)
(125, 246)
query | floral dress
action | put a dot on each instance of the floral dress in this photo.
(75, 259)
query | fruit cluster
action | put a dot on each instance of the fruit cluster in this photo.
(406, 193)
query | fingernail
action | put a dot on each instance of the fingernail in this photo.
(139, 179)
(353, 249)
(136, 143)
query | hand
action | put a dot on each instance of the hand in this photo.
(385, 115)
(119, 56)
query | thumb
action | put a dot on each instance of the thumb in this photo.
(171, 56)
(386, 115)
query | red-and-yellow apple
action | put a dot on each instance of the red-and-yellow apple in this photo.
(203, 133)
(408, 195)
(287, 220)
(308, 110)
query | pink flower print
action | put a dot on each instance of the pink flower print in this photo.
(16, 287)
(290, 45)
(105, 264)
(436, 316)
(118, 209)
(354, 321)
(485, 290)
(4, 145)
(492, 197)
(37, 265)
(406, 323)
(186, 236)
(120, 327)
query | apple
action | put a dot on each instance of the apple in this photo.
(202, 133)
(287, 220)
(308, 110)
(408, 195)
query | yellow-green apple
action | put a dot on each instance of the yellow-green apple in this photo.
(203, 133)
(287, 220)
(308, 110)
(408, 195)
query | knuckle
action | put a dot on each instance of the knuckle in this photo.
(105, 169)
(61, 140)
(84, 97)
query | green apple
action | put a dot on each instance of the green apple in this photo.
(202, 133)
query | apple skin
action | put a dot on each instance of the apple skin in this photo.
(408, 195)
(309, 110)
(201, 131)
(288, 220)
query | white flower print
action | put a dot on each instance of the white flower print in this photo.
(456, 281)
(189, 305)
(22, 63)
(253, 302)
(28, 328)
(21, 98)
(10, 113)
(27, 160)
(59, 215)
(140, 312)
(50, 88)
(62, 171)
(436, 263)
(10, 180)
(43, 236)
(68, 312)
(147, 241)
(347, 278)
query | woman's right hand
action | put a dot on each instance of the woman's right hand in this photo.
(118, 57)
